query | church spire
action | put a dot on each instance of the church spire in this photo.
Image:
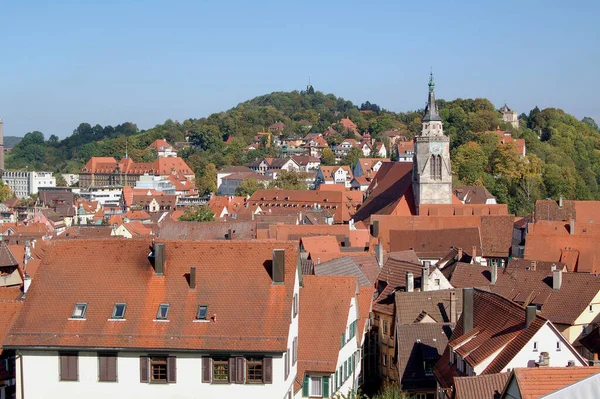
(431, 110)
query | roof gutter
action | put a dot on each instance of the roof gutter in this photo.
(153, 350)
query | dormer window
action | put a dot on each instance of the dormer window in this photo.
(79, 311)
(163, 311)
(119, 311)
(202, 312)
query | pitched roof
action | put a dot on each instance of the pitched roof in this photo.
(344, 266)
(6, 256)
(234, 169)
(258, 323)
(160, 145)
(535, 383)
(136, 228)
(9, 311)
(526, 264)
(365, 304)
(316, 246)
(580, 252)
(480, 386)
(390, 192)
(162, 166)
(472, 194)
(530, 287)
(435, 243)
(393, 277)
(200, 231)
(409, 305)
(323, 298)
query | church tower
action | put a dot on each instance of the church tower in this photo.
(432, 173)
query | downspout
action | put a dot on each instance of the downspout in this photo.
(20, 357)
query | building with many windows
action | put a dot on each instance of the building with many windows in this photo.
(210, 319)
(26, 183)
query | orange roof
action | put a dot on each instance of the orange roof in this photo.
(137, 229)
(580, 252)
(257, 321)
(537, 382)
(323, 298)
(137, 215)
(162, 166)
(9, 310)
(365, 304)
(348, 124)
(315, 246)
(160, 145)
(332, 187)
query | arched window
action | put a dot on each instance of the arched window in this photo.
(435, 167)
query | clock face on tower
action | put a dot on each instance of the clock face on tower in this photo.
(435, 148)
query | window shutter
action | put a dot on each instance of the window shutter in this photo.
(111, 368)
(102, 368)
(268, 370)
(240, 370)
(343, 340)
(231, 369)
(305, 387)
(73, 369)
(64, 367)
(172, 369)
(144, 369)
(325, 386)
(206, 372)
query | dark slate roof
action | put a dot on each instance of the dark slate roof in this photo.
(307, 266)
(6, 256)
(341, 267)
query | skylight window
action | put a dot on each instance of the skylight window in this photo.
(163, 311)
(79, 311)
(202, 312)
(119, 311)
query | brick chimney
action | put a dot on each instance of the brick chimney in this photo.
(278, 266)
(467, 312)
(376, 228)
(192, 277)
(158, 259)
(425, 276)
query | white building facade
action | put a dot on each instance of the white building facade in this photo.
(26, 183)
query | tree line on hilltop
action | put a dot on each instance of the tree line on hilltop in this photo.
(563, 157)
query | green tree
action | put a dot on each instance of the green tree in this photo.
(248, 187)
(290, 181)
(352, 157)
(60, 180)
(5, 192)
(197, 214)
(469, 162)
(207, 183)
(590, 122)
(327, 157)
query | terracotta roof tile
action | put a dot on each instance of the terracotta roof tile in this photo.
(199, 231)
(535, 383)
(480, 386)
(261, 324)
(435, 243)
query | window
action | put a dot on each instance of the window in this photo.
(436, 282)
(591, 308)
(79, 311)
(435, 167)
(296, 305)
(316, 387)
(295, 351)
(254, 370)
(535, 346)
(459, 364)
(286, 364)
(558, 346)
(340, 376)
(119, 311)
(220, 370)
(202, 312)
(384, 360)
(69, 366)
(163, 311)
(451, 356)
(107, 367)
(385, 327)
(158, 369)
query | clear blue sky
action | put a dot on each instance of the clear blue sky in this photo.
(111, 61)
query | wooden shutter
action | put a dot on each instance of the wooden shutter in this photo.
(102, 368)
(206, 369)
(240, 370)
(268, 369)
(144, 377)
(73, 369)
(325, 387)
(111, 367)
(172, 369)
(305, 387)
(64, 367)
(231, 369)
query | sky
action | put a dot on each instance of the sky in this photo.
(111, 61)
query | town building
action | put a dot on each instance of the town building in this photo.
(334, 175)
(71, 178)
(231, 182)
(157, 183)
(105, 195)
(169, 326)
(474, 195)
(406, 151)
(162, 148)
(26, 183)
(106, 171)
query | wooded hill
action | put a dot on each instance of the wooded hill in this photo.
(563, 153)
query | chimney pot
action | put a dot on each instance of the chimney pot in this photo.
(379, 254)
(556, 279)
(410, 282)
(467, 313)
(572, 227)
(278, 266)
(474, 253)
(453, 307)
(460, 254)
(158, 250)
(560, 202)
(530, 313)
(376, 228)
(425, 276)
(494, 273)
(193, 277)
(230, 234)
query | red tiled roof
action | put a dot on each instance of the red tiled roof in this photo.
(480, 386)
(315, 246)
(135, 215)
(9, 311)
(162, 166)
(536, 382)
(435, 243)
(365, 304)
(257, 321)
(160, 145)
(323, 298)
(137, 229)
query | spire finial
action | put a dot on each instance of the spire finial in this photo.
(431, 84)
